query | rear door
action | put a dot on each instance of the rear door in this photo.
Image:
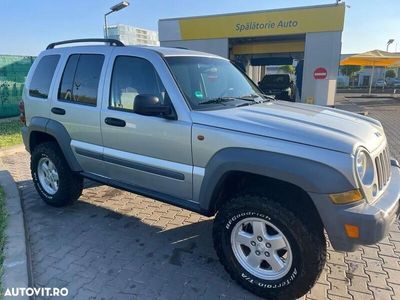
(76, 103)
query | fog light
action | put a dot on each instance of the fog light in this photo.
(352, 231)
(346, 197)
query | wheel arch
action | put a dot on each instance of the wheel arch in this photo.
(233, 169)
(42, 130)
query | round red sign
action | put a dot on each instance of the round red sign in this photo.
(320, 73)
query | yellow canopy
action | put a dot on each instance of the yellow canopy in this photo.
(376, 58)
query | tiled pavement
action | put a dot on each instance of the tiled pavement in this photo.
(117, 245)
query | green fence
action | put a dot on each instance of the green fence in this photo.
(13, 71)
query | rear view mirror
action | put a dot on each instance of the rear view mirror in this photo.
(149, 105)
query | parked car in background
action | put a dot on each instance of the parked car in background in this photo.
(380, 83)
(395, 83)
(279, 85)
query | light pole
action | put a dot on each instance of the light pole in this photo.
(114, 8)
(388, 44)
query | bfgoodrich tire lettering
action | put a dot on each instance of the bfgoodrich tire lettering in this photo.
(306, 240)
(70, 184)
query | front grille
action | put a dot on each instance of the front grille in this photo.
(382, 163)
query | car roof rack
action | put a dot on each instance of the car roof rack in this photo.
(96, 40)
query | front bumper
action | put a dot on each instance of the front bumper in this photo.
(373, 220)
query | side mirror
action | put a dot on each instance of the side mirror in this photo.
(149, 105)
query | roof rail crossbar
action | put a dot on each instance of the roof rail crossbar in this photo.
(110, 41)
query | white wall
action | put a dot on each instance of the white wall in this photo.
(322, 49)
(215, 46)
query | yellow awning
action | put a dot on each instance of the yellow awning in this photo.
(377, 58)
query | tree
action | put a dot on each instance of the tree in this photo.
(390, 73)
(349, 71)
(289, 69)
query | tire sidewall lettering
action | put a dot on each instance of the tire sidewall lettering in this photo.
(245, 214)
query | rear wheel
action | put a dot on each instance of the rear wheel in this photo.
(56, 184)
(268, 248)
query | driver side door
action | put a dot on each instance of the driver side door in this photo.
(149, 152)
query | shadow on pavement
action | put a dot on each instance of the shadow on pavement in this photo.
(96, 251)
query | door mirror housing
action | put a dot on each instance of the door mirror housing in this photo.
(149, 105)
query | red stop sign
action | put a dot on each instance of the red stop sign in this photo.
(320, 73)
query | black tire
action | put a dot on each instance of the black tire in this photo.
(70, 184)
(306, 239)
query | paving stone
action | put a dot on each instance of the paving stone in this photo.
(113, 244)
(319, 291)
(360, 296)
(381, 294)
(338, 288)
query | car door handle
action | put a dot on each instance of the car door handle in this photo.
(115, 122)
(58, 111)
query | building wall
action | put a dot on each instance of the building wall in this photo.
(215, 46)
(322, 50)
(130, 35)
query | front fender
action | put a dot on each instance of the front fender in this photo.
(311, 176)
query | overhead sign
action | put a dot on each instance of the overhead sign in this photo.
(275, 22)
(320, 73)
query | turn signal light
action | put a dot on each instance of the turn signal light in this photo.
(352, 231)
(346, 197)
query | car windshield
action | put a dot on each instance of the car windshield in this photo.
(212, 83)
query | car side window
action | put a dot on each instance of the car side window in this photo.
(41, 79)
(80, 80)
(134, 76)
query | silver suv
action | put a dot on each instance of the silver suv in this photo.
(192, 130)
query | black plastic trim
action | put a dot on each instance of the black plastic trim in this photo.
(144, 168)
(186, 204)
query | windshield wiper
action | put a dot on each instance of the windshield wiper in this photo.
(219, 100)
(252, 97)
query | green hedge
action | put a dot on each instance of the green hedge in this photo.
(13, 71)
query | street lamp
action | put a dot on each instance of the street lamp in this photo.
(114, 8)
(388, 44)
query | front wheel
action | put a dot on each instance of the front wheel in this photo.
(268, 248)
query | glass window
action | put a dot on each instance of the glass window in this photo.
(133, 76)
(212, 82)
(80, 80)
(41, 79)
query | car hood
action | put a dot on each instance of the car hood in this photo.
(313, 125)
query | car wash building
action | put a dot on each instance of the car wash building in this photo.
(309, 37)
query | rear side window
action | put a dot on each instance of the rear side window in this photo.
(41, 79)
(80, 80)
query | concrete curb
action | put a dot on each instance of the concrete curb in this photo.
(15, 252)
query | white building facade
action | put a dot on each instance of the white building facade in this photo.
(130, 35)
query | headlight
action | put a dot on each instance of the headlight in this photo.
(364, 167)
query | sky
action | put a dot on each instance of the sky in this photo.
(28, 26)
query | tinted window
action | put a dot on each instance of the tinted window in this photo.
(41, 79)
(80, 80)
(133, 76)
